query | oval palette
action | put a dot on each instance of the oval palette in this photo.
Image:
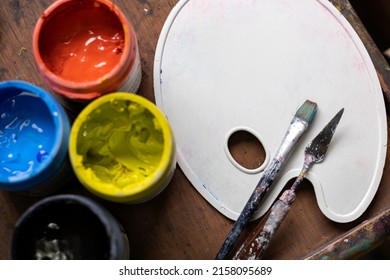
(227, 66)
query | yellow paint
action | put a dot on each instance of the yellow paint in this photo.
(121, 147)
(338, 6)
(22, 50)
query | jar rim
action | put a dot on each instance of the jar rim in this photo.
(135, 191)
(90, 89)
(61, 132)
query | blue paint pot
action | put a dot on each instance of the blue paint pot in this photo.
(34, 132)
(68, 227)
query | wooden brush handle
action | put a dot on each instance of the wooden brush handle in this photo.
(250, 208)
(255, 246)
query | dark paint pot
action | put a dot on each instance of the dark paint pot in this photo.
(68, 227)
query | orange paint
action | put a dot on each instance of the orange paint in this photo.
(84, 49)
(83, 44)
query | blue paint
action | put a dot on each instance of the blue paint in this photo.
(42, 155)
(34, 131)
(26, 133)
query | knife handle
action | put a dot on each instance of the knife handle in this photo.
(255, 246)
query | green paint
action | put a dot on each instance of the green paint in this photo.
(121, 143)
(360, 246)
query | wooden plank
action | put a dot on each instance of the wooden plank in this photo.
(358, 241)
(380, 63)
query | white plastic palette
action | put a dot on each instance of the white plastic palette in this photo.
(223, 66)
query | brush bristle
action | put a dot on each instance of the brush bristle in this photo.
(307, 111)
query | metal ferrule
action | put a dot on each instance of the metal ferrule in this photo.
(296, 129)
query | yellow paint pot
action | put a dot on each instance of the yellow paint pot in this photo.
(122, 148)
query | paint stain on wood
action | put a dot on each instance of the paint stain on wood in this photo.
(17, 11)
(22, 50)
(147, 7)
(357, 241)
(337, 4)
(3, 71)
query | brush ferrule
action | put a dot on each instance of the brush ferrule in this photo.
(293, 134)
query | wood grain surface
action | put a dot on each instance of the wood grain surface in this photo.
(179, 223)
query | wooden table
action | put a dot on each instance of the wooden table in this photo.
(179, 223)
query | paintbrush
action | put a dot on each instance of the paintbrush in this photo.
(299, 124)
(255, 246)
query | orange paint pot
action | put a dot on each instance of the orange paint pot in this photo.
(84, 49)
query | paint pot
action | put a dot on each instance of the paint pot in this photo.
(68, 227)
(122, 148)
(34, 132)
(86, 48)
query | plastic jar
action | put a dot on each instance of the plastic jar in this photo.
(86, 48)
(34, 132)
(68, 227)
(122, 148)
